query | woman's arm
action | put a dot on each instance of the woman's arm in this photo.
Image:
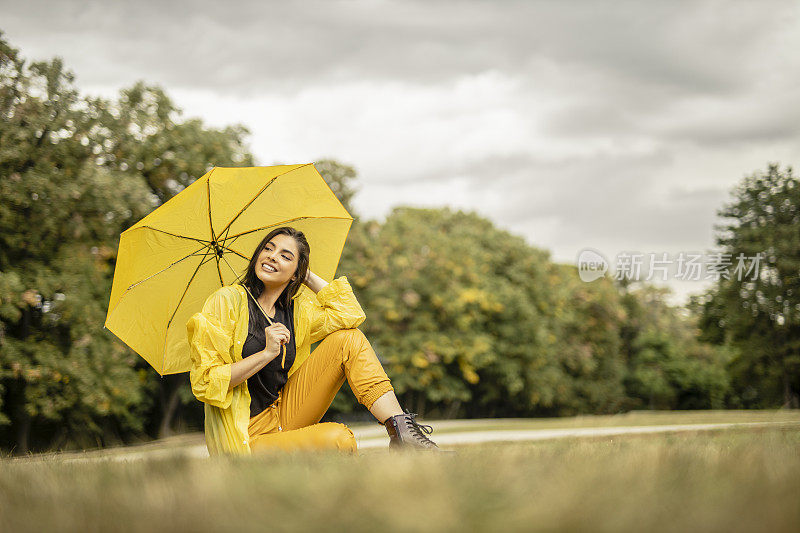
(241, 370)
(210, 332)
(333, 308)
(314, 282)
(210, 336)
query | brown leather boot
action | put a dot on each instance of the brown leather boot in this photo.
(407, 433)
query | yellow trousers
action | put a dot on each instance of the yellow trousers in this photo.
(292, 421)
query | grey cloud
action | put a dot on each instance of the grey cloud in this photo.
(601, 118)
(617, 68)
(719, 77)
(609, 197)
(254, 46)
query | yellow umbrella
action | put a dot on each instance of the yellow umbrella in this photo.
(174, 258)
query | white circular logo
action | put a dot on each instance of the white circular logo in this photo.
(591, 265)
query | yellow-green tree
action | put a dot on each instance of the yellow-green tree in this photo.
(470, 319)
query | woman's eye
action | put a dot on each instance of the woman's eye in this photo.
(286, 258)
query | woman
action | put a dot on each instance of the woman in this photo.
(261, 386)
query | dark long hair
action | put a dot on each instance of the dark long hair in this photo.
(256, 287)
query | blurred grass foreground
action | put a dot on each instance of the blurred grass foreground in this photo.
(731, 480)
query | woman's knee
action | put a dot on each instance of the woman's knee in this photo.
(338, 436)
(349, 340)
(347, 334)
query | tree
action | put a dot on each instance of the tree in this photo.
(667, 366)
(587, 366)
(62, 378)
(470, 319)
(141, 134)
(757, 313)
(74, 173)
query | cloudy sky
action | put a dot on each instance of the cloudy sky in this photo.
(620, 126)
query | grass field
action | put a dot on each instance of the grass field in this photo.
(732, 480)
(445, 427)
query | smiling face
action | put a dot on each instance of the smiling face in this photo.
(277, 261)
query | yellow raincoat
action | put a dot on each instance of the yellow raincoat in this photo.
(216, 337)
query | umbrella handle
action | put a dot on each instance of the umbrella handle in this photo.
(283, 359)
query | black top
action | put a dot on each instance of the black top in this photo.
(265, 384)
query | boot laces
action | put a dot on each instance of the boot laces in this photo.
(417, 430)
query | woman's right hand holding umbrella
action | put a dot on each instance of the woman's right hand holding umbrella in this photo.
(277, 335)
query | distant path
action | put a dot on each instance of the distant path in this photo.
(478, 437)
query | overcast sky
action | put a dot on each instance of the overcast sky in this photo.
(620, 126)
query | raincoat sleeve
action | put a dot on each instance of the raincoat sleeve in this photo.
(335, 307)
(210, 333)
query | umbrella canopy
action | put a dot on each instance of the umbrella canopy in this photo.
(201, 239)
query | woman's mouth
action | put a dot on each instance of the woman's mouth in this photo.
(268, 268)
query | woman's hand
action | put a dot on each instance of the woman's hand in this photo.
(277, 335)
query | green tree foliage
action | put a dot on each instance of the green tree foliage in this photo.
(74, 173)
(471, 319)
(142, 133)
(758, 317)
(668, 368)
(60, 215)
(585, 320)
